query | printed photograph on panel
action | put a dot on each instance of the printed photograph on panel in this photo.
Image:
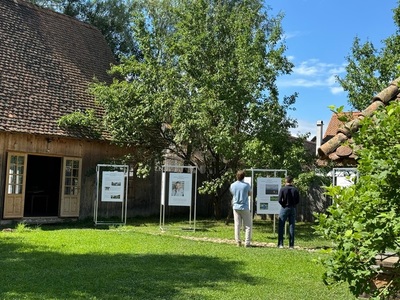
(178, 188)
(271, 189)
(274, 198)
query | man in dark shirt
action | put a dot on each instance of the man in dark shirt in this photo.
(288, 199)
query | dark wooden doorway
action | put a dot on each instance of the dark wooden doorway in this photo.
(42, 196)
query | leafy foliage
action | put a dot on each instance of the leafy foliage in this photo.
(204, 90)
(369, 69)
(85, 122)
(364, 220)
(310, 179)
(79, 119)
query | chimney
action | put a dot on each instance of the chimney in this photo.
(320, 130)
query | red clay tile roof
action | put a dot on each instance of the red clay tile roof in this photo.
(338, 149)
(335, 123)
(47, 61)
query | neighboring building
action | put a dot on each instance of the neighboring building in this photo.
(47, 61)
(337, 144)
(341, 157)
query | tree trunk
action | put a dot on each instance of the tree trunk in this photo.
(217, 208)
(229, 216)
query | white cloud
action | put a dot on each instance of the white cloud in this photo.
(290, 57)
(313, 73)
(304, 127)
(306, 69)
(337, 70)
(300, 82)
(336, 90)
(331, 80)
(293, 34)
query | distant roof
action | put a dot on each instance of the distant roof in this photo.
(338, 148)
(47, 61)
(335, 123)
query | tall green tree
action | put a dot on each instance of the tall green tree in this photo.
(370, 69)
(111, 17)
(205, 88)
(365, 218)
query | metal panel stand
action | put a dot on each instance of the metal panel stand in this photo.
(166, 194)
(115, 198)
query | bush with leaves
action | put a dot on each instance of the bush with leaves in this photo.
(86, 123)
(311, 179)
(365, 218)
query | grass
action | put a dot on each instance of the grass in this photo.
(139, 261)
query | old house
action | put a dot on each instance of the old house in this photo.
(47, 61)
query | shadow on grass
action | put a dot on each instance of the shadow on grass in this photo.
(38, 274)
(303, 231)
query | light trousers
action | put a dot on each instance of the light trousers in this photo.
(242, 217)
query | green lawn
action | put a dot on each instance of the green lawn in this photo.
(139, 261)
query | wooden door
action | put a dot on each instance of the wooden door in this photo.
(15, 186)
(71, 187)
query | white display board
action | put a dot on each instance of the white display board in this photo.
(267, 195)
(345, 181)
(163, 178)
(180, 189)
(344, 177)
(111, 193)
(267, 191)
(113, 186)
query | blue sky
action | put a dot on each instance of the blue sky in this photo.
(319, 35)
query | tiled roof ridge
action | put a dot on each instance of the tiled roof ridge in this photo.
(335, 122)
(344, 132)
(51, 12)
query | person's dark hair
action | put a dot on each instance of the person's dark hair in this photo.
(289, 179)
(240, 175)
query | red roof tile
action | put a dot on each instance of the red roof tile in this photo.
(335, 123)
(47, 61)
(339, 148)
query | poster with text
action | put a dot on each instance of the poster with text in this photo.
(180, 189)
(113, 186)
(267, 195)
